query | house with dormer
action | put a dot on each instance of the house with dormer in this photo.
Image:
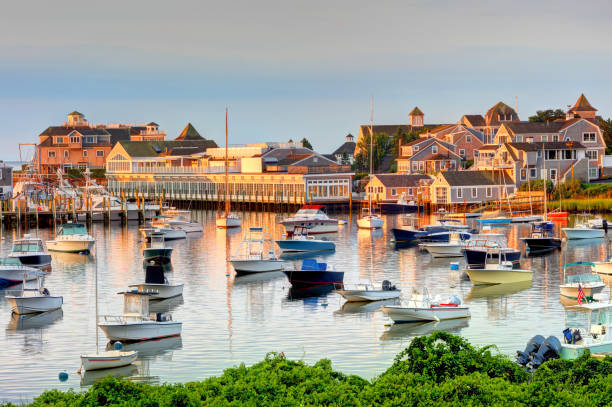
(490, 123)
(427, 156)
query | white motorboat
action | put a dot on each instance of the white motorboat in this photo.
(596, 336)
(157, 284)
(136, 324)
(582, 231)
(169, 232)
(228, 221)
(463, 215)
(177, 219)
(33, 300)
(596, 223)
(500, 273)
(590, 283)
(256, 253)
(30, 251)
(311, 217)
(421, 308)
(365, 291)
(453, 248)
(13, 272)
(71, 238)
(370, 221)
(526, 218)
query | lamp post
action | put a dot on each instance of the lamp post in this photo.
(570, 145)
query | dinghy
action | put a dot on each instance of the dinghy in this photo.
(420, 307)
(33, 300)
(365, 291)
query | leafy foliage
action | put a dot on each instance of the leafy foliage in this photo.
(98, 173)
(74, 173)
(381, 146)
(606, 131)
(547, 115)
(306, 143)
(441, 369)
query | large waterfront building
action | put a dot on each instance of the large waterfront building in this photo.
(257, 173)
(77, 143)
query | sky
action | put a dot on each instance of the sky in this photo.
(292, 69)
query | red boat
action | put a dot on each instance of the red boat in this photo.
(557, 215)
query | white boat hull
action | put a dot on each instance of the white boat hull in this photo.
(589, 289)
(370, 222)
(108, 360)
(169, 233)
(256, 266)
(163, 290)
(368, 295)
(227, 223)
(70, 246)
(494, 276)
(141, 330)
(444, 249)
(574, 351)
(35, 304)
(522, 219)
(418, 314)
(188, 227)
(583, 233)
(314, 227)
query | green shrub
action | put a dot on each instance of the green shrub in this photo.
(74, 173)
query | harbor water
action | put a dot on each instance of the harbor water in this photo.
(228, 320)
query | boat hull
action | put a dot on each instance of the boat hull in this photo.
(524, 219)
(70, 246)
(493, 276)
(419, 314)
(495, 221)
(169, 234)
(256, 266)
(570, 352)
(542, 243)
(583, 233)
(34, 260)
(368, 295)
(312, 278)
(314, 227)
(32, 305)
(108, 360)
(9, 277)
(228, 223)
(444, 250)
(403, 235)
(397, 208)
(305, 245)
(163, 291)
(140, 331)
(571, 290)
(370, 223)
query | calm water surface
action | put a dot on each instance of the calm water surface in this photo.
(228, 320)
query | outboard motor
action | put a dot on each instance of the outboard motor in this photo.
(387, 286)
(532, 347)
(550, 349)
(604, 225)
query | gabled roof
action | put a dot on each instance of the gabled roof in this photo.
(441, 156)
(489, 147)
(189, 133)
(548, 145)
(315, 160)
(400, 180)
(478, 134)
(156, 148)
(534, 127)
(152, 124)
(75, 113)
(474, 120)
(427, 141)
(416, 112)
(499, 108)
(474, 178)
(348, 147)
(582, 105)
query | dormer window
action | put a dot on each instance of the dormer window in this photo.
(468, 139)
(415, 148)
(434, 149)
(589, 137)
(74, 139)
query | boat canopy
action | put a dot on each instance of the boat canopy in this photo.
(584, 278)
(73, 229)
(154, 274)
(27, 246)
(579, 263)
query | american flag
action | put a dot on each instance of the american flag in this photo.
(580, 294)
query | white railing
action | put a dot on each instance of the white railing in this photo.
(177, 170)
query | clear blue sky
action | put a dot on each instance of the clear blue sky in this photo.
(293, 69)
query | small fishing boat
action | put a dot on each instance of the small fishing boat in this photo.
(169, 232)
(71, 238)
(454, 247)
(312, 217)
(500, 273)
(157, 250)
(590, 283)
(526, 218)
(541, 239)
(582, 231)
(499, 220)
(315, 274)
(370, 221)
(408, 232)
(595, 336)
(420, 307)
(30, 251)
(177, 219)
(33, 300)
(597, 223)
(228, 221)
(256, 253)
(13, 272)
(365, 291)
(300, 241)
(489, 248)
(136, 324)
(157, 284)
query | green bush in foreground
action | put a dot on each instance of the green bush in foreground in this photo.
(440, 369)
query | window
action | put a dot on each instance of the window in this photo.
(462, 153)
(59, 140)
(84, 153)
(519, 139)
(533, 173)
(421, 166)
(553, 174)
(592, 154)
(410, 192)
(393, 192)
(415, 148)
(589, 137)
(99, 153)
(523, 174)
(593, 173)
(544, 138)
(529, 139)
(489, 192)
(459, 193)
(66, 153)
(89, 139)
(468, 138)
(415, 166)
(474, 192)
(555, 137)
(74, 139)
(539, 154)
(434, 149)
(51, 154)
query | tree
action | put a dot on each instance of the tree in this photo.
(548, 115)
(606, 131)
(290, 140)
(382, 146)
(306, 144)
(345, 159)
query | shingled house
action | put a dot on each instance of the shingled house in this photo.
(390, 187)
(427, 156)
(458, 187)
(345, 154)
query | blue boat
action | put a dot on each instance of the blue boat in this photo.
(501, 220)
(301, 242)
(314, 274)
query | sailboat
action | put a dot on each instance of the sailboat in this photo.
(227, 219)
(106, 359)
(370, 220)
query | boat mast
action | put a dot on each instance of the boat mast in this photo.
(544, 188)
(96, 291)
(227, 204)
(371, 151)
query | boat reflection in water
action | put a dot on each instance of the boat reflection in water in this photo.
(365, 307)
(497, 290)
(63, 260)
(412, 329)
(90, 377)
(34, 321)
(309, 292)
(167, 305)
(245, 279)
(153, 348)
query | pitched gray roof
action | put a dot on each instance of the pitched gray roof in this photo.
(534, 127)
(401, 180)
(348, 147)
(548, 145)
(475, 119)
(474, 178)
(174, 147)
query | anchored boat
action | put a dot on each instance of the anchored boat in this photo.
(582, 231)
(256, 253)
(365, 291)
(590, 283)
(71, 238)
(13, 272)
(30, 251)
(157, 284)
(312, 217)
(595, 334)
(315, 274)
(300, 241)
(420, 307)
(157, 251)
(33, 300)
(500, 273)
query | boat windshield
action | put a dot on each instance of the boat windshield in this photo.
(308, 212)
(26, 247)
(73, 229)
(135, 305)
(10, 261)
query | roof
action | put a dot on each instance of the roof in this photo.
(348, 147)
(475, 120)
(156, 148)
(441, 156)
(152, 124)
(416, 112)
(478, 134)
(548, 145)
(119, 134)
(279, 154)
(489, 147)
(534, 127)
(189, 133)
(315, 160)
(582, 105)
(400, 180)
(499, 108)
(469, 178)
(75, 113)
